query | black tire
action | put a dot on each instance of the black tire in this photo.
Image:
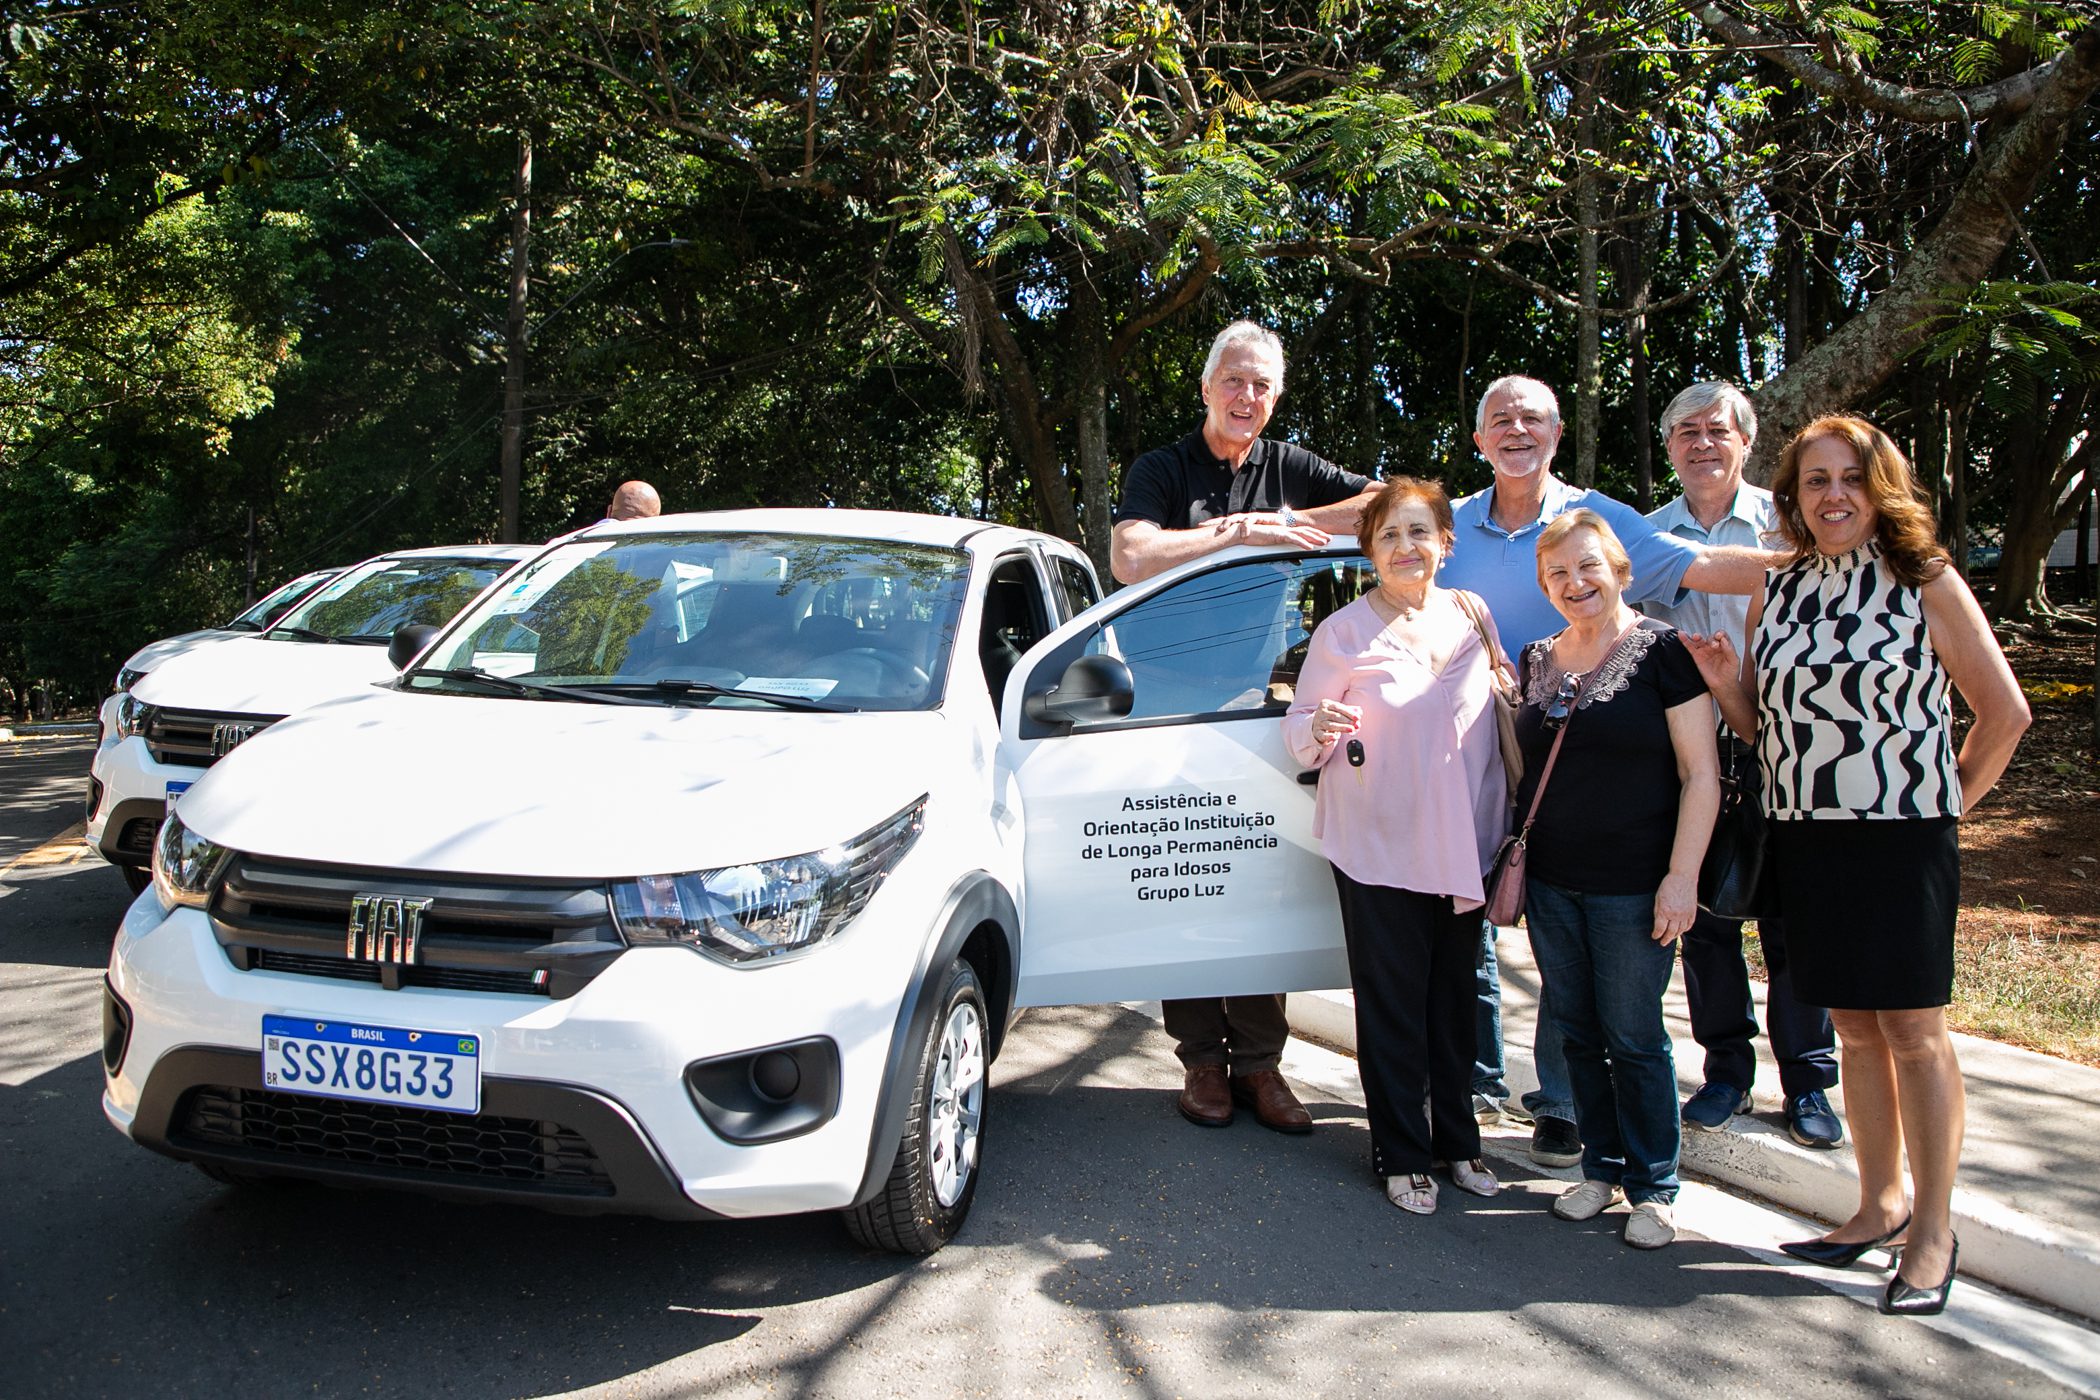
(909, 1215)
(136, 876)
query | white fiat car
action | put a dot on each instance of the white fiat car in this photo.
(700, 868)
(161, 731)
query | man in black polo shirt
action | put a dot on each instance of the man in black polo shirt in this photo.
(1224, 485)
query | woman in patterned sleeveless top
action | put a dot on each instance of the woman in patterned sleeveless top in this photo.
(1853, 644)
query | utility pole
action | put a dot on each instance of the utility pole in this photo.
(515, 337)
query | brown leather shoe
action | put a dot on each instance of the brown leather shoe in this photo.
(1206, 1098)
(1274, 1105)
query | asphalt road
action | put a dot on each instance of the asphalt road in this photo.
(1114, 1250)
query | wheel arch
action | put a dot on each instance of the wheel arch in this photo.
(978, 923)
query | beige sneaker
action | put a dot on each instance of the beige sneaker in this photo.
(1652, 1225)
(1586, 1200)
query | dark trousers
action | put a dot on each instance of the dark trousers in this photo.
(1724, 1015)
(1246, 1033)
(1411, 963)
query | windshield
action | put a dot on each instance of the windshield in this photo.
(721, 619)
(267, 608)
(370, 601)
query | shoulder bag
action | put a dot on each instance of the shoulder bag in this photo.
(1505, 884)
(1503, 695)
(1735, 878)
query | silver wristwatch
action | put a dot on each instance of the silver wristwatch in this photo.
(1290, 518)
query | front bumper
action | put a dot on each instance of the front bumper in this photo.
(607, 1065)
(131, 799)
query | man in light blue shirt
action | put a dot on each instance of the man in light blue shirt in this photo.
(1517, 429)
(1708, 430)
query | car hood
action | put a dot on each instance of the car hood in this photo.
(261, 676)
(466, 785)
(156, 654)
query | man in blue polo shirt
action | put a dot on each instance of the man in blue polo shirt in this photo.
(1517, 429)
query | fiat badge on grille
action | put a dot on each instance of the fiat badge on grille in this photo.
(385, 928)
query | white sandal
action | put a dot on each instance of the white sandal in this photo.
(1474, 1178)
(1414, 1193)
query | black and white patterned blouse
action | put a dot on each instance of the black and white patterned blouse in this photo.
(1853, 716)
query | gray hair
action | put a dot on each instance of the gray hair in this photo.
(1703, 398)
(1244, 333)
(1513, 381)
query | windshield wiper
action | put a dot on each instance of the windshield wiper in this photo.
(304, 634)
(368, 639)
(242, 624)
(677, 690)
(511, 685)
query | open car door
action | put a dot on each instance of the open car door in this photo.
(1169, 848)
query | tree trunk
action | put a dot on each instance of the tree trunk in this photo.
(1020, 400)
(1630, 262)
(1862, 354)
(1090, 411)
(1589, 376)
(2044, 480)
(516, 336)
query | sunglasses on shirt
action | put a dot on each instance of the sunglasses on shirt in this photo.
(1563, 700)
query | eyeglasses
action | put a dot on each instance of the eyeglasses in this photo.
(1563, 700)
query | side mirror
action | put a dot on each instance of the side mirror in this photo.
(408, 642)
(1093, 688)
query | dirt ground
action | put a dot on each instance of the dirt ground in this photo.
(2028, 940)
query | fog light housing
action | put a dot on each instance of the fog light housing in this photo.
(770, 1094)
(116, 1030)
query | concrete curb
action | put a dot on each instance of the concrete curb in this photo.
(2000, 1245)
(9, 734)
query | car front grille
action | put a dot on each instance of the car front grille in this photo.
(200, 738)
(544, 940)
(263, 1124)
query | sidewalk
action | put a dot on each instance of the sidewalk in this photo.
(2028, 1204)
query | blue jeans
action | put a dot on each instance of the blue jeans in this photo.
(1606, 977)
(1553, 1098)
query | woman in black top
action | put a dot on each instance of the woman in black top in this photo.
(1614, 860)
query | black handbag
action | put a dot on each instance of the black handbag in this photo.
(1735, 878)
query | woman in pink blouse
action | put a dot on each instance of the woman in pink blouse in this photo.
(1394, 706)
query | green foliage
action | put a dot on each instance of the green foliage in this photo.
(587, 621)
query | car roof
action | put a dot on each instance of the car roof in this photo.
(902, 527)
(462, 551)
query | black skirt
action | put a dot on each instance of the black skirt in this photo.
(1867, 910)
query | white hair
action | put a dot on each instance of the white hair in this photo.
(1244, 333)
(1514, 381)
(1704, 398)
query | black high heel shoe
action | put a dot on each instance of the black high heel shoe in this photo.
(1840, 1256)
(1908, 1300)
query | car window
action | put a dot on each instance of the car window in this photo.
(1229, 640)
(866, 624)
(368, 603)
(1015, 618)
(278, 600)
(1080, 591)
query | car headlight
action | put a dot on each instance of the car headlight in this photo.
(186, 867)
(746, 914)
(133, 715)
(127, 678)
